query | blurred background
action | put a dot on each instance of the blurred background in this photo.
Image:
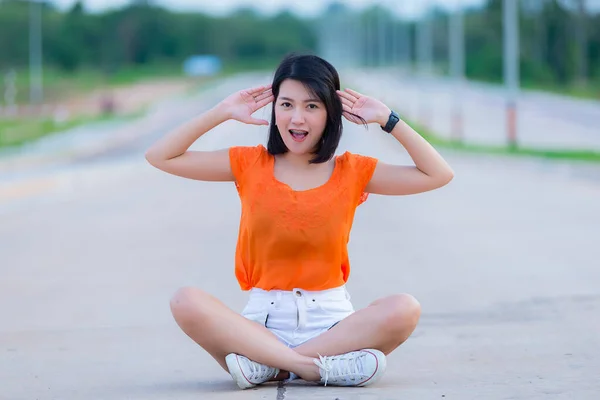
(94, 240)
(67, 63)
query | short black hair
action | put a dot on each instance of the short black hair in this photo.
(322, 80)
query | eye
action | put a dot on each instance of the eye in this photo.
(313, 106)
(286, 104)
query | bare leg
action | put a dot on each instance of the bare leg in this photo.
(216, 328)
(384, 325)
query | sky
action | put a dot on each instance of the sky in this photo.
(300, 7)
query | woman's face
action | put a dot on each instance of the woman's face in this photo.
(300, 117)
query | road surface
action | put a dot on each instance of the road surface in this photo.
(504, 261)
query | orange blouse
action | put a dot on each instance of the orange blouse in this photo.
(295, 239)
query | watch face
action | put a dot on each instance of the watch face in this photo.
(394, 118)
(392, 121)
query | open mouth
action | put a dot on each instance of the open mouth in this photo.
(298, 135)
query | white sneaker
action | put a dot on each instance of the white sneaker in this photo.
(247, 373)
(357, 368)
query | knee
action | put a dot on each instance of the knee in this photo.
(402, 312)
(188, 303)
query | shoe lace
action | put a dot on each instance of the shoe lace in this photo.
(346, 367)
(258, 371)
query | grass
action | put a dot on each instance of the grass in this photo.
(590, 90)
(587, 90)
(16, 132)
(59, 84)
(508, 150)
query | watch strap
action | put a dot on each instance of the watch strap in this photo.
(393, 119)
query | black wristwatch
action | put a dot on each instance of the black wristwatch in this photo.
(392, 121)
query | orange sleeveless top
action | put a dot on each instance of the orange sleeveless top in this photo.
(295, 239)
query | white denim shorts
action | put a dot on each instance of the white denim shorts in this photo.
(299, 315)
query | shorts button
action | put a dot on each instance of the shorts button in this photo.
(298, 293)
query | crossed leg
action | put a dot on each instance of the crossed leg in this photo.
(384, 325)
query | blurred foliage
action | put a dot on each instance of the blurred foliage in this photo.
(586, 155)
(17, 131)
(560, 40)
(141, 33)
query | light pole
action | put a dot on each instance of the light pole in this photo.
(382, 37)
(405, 43)
(457, 68)
(425, 61)
(511, 67)
(36, 93)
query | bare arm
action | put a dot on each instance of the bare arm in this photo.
(171, 154)
(430, 172)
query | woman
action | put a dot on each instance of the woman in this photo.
(298, 202)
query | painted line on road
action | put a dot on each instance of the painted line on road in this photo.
(20, 190)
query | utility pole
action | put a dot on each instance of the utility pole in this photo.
(425, 62)
(369, 40)
(382, 40)
(405, 44)
(511, 67)
(425, 44)
(395, 32)
(457, 69)
(373, 39)
(36, 91)
(582, 42)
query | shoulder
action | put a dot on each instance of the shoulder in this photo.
(247, 152)
(358, 170)
(244, 158)
(357, 162)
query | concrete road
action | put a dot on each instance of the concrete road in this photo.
(544, 120)
(504, 261)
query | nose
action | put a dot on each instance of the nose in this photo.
(297, 117)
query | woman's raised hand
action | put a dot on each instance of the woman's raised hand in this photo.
(368, 108)
(241, 105)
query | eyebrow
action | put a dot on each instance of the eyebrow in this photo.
(306, 101)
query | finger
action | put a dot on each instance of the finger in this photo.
(354, 93)
(351, 118)
(263, 95)
(348, 96)
(267, 88)
(265, 101)
(255, 121)
(258, 89)
(348, 115)
(245, 94)
(346, 102)
(345, 95)
(346, 108)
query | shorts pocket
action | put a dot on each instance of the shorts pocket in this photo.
(257, 312)
(336, 307)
